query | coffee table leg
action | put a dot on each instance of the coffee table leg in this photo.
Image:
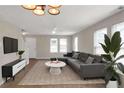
(55, 70)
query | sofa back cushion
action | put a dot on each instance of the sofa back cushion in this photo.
(69, 54)
(83, 56)
(97, 59)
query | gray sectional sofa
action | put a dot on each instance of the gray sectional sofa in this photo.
(86, 65)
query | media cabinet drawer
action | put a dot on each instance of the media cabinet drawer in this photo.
(18, 67)
(19, 64)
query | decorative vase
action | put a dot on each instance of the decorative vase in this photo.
(112, 84)
(20, 57)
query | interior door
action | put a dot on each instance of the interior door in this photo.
(31, 45)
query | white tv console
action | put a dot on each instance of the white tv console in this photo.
(11, 69)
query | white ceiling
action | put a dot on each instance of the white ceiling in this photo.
(73, 18)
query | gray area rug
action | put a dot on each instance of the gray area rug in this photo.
(39, 75)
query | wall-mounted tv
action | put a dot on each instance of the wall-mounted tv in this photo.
(10, 45)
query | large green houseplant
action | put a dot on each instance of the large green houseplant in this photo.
(111, 47)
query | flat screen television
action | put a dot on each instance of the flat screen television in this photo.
(10, 45)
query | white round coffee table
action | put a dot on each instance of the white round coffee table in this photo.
(55, 67)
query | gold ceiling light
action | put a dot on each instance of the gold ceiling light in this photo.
(29, 7)
(40, 9)
(55, 6)
(53, 11)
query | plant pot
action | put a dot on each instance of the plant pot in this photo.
(112, 84)
(20, 57)
(121, 75)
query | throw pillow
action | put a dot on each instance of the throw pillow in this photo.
(89, 60)
(97, 58)
(75, 55)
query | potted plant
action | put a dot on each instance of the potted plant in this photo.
(20, 52)
(111, 48)
(121, 74)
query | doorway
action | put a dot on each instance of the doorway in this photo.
(31, 45)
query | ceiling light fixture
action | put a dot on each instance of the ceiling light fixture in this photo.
(54, 11)
(29, 7)
(23, 32)
(40, 9)
(53, 32)
(55, 6)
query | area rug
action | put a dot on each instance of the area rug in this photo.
(40, 75)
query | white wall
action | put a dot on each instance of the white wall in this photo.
(7, 29)
(43, 46)
(85, 37)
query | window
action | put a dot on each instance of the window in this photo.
(53, 45)
(120, 27)
(99, 38)
(76, 44)
(63, 45)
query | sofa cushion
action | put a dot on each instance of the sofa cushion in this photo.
(75, 55)
(69, 54)
(89, 60)
(72, 60)
(83, 57)
(97, 59)
(75, 64)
